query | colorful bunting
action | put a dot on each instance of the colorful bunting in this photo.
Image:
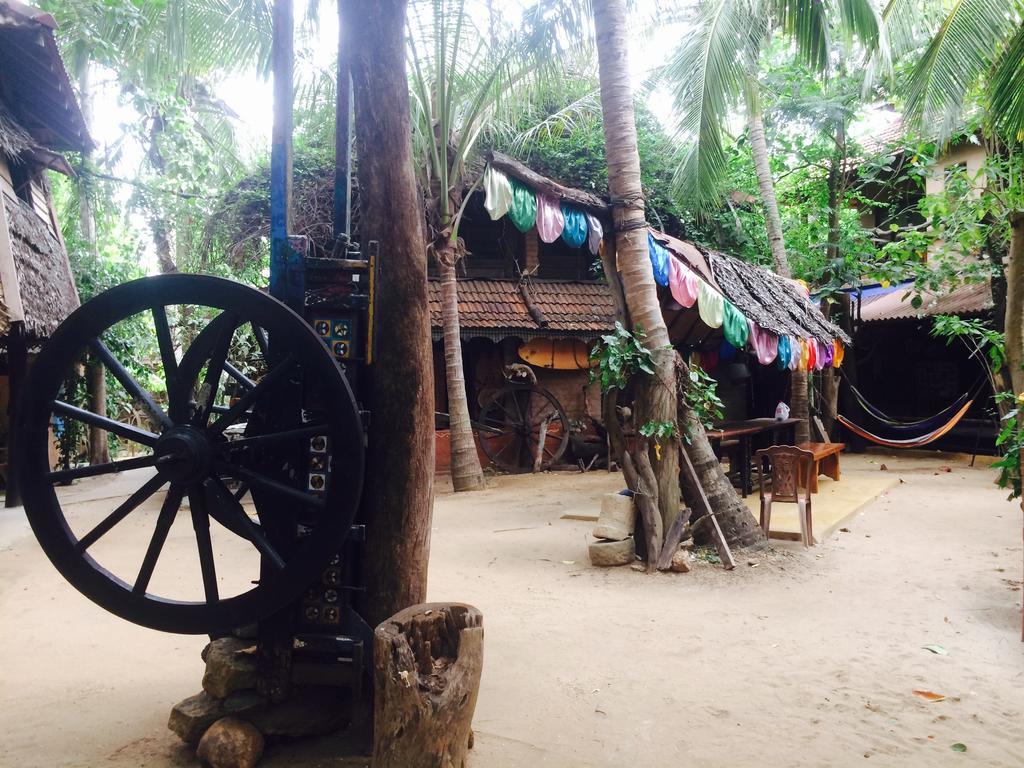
(523, 210)
(574, 232)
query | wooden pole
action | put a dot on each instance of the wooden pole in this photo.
(17, 367)
(343, 138)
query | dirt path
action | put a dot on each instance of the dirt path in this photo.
(808, 659)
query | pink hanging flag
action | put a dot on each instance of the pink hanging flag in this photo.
(765, 343)
(550, 221)
(682, 282)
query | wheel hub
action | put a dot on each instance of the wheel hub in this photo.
(184, 455)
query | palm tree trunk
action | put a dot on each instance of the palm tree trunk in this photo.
(738, 524)
(158, 225)
(658, 399)
(1015, 302)
(465, 462)
(798, 403)
(95, 381)
(765, 182)
(398, 494)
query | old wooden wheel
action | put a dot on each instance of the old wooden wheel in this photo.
(300, 455)
(519, 420)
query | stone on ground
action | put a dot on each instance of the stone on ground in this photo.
(229, 667)
(618, 518)
(608, 553)
(190, 718)
(680, 561)
(231, 743)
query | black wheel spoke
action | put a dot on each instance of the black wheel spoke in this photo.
(126, 507)
(131, 386)
(168, 512)
(259, 481)
(261, 340)
(166, 342)
(246, 401)
(243, 488)
(310, 430)
(201, 524)
(507, 445)
(230, 504)
(490, 430)
(127, 431)
(109, 468)
(238, 376)
(215, 367)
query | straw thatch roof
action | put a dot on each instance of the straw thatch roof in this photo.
(36, 83)
(14, 140)
(771, 301)
(45, 282)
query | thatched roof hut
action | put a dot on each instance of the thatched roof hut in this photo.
(39, 119)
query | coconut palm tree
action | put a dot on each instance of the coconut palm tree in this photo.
(715, 71)
(464, 80)
(977, 48)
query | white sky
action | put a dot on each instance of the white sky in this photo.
(251, 98)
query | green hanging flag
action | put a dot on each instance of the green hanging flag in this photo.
(523, 210)
(734, 325)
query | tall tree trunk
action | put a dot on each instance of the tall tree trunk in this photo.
(465, 462)
(836, 203)
(158, 225)
(798, 402)
(96, 385)
(95, 382)
(399, 487)
(1014, 320)
(765, 182)
(738, 524)
(657, 399)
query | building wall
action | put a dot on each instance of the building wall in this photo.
(972, 156)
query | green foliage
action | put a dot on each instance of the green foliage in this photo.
(619, 356)
(976, 333)
(1010, 441)
(701, 397)
(659, 430)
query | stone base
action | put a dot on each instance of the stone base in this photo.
(618, 518)
(609, 553)
(311, 711)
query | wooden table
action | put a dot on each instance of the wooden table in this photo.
(780, 432)
(826, 461)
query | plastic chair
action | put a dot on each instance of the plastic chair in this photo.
(791, 469)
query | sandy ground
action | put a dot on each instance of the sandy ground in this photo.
(808, 659)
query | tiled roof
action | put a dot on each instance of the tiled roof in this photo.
(569, 307)
(894, 303)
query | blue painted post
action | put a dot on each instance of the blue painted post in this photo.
(287, 262)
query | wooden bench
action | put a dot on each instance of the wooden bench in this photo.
(826, 460)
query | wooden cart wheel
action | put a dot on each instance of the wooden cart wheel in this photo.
(302, 465)
(517, 419)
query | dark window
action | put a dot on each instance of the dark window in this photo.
(21, 178)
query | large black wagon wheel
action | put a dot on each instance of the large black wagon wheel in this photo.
(510, 427)
(298, 528)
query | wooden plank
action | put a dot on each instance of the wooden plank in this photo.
(720, 543)
(672, 539)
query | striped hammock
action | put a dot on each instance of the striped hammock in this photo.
(915, 442)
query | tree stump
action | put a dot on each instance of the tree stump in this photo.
(427, 664)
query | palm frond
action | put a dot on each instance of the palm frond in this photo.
(806, 23)
(705, 75)
(963, 49)
(1006, 90)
